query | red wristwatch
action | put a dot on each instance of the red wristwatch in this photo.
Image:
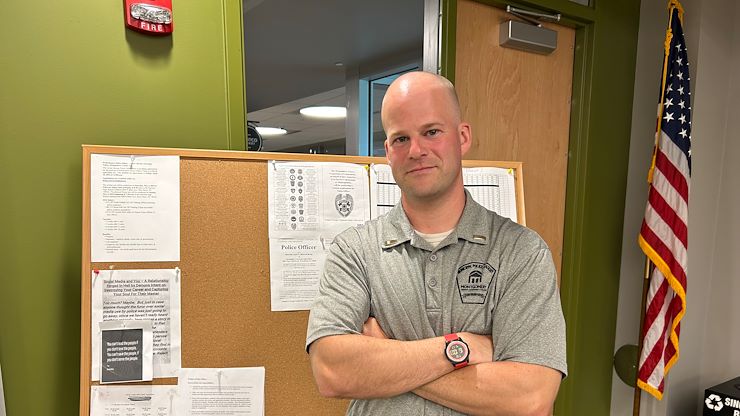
(456, 351)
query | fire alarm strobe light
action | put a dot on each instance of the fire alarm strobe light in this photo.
(152, 16)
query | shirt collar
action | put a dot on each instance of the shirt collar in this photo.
(396, 227)
(474, 225)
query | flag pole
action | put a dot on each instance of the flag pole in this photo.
(646, 276)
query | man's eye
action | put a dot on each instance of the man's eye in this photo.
(433, 132)
(399, 140)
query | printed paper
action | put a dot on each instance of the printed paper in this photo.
(132, 400)
(221, 391)
(148, 295)
(134, 208)
(126, 351)
(489, 186)
(309, 204)
(295, 268)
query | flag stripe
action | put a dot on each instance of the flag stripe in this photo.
(669, 217)
(654, 303)
(664, 254)
(675, 308)
(665, 244)
(655, 335)
(670, 195)
(656, 377)
(672, 175)
(673, 151)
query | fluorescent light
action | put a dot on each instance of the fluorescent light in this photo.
(271, 131)
(324, 112)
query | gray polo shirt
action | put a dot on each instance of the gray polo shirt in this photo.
(489, 276)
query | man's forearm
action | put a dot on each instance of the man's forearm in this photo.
(499, 388)
(359, 367)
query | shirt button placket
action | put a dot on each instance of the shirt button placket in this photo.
(436, 286)
(431, 277)
(432, 281)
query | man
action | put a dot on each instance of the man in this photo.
(440, 307)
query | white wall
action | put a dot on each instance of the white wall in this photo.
(710, 341)
(721, 357)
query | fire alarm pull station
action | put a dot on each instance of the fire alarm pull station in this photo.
(153, 17)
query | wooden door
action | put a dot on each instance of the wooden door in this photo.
(518, 104)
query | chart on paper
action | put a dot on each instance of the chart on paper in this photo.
(491, 187)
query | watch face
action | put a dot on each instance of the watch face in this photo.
(457, 351)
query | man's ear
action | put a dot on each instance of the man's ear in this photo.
(466, 137)
(385, 144)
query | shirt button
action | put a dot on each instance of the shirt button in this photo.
(433, 257)
(432, 283)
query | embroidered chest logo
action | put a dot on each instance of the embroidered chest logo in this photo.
(343, 204)
(473, 282)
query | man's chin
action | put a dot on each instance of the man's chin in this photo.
(424, 194)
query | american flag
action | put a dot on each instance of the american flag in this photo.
(664, 233)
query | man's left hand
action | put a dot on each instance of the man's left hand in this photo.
(371, 328)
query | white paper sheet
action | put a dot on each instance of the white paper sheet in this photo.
(221, 391)
(493, 188)
(126, 351)
(489, 186)
(384, 193)
(132, 400)
(295, 267)
(308, 200)
(309, 204)
(134, 208)
(152, 294)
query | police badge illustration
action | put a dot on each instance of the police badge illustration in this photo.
(344, 204)
(473, 281)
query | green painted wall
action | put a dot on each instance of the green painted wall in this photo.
(71, 74)
(597, 180)
(601, 112)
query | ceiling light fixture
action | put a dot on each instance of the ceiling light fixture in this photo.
(324, 112)
(271, 131)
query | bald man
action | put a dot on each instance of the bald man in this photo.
(439, 307)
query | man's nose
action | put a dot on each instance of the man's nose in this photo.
(416, 147)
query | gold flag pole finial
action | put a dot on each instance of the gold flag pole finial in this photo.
(676, 4)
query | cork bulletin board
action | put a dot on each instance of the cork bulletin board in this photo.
(225, 266)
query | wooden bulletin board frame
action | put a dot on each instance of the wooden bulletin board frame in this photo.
(224, 258)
